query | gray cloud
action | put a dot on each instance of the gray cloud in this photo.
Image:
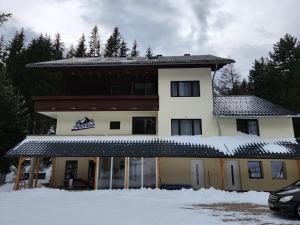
(172, 27)
(9, 29)
(155, 23)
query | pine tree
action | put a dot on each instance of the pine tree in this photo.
(229, 81)
(2, 52)
(123, 49)
(81, 48)
(58, 47)
(94, 43)
(13, 120)
(71, 52)
(149, 53)
(15, 62)
(134, 50)
(113, 44)
(277, 77)
(4, 17)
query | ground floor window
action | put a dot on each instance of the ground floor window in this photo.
(186, 127)
(71, 169)
(278, 170)
(255, 169)
(247, 126)
(135, 172)
(141, 172)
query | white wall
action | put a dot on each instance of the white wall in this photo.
(268, 127)
(185, 107)
(66, 121)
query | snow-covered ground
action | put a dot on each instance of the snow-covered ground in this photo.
(154, 207)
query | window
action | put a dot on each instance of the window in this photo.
(278, 170)
(186, 127)
(143, 125)
(255, 169)
(185, 89)
(247, 126)
(71, 169)
(114, 125)
(144, 88)
(115, 89)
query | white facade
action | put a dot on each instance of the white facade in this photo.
(173, 108)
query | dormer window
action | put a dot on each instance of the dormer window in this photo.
(247, 126)
(185, 88)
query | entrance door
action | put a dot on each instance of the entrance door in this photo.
(197, 174)
(232, 175)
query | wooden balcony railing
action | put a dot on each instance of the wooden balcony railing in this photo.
(96, 103)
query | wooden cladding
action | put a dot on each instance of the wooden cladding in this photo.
(95, 103)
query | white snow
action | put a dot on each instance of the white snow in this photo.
(127, 207)
(226, 144)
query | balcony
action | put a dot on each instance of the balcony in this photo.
(96, 103)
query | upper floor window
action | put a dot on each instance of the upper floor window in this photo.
(278, 170)
(186, 127)
(247, 126)
(255, 169)
(185, 89)
(144, 88)
(114, 125)
(143, 125)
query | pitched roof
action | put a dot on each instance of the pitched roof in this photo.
(244, 146)
(253, 106)
(160, 61)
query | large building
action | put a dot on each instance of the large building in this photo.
(154, 122)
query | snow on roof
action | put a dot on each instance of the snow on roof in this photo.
(248, 105)
(228, 145)
(133, 61)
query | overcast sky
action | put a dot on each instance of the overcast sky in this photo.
(243, 30)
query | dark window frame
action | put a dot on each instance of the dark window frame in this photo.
(284, 170)
(193, 126)
(260, 168)
(192, 88)
(114, 125)
(241, 121)
(145, 90)
(66, 167)
(144, 117)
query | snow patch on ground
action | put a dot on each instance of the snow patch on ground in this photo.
(127, 207)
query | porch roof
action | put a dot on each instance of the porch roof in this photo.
(242, 146)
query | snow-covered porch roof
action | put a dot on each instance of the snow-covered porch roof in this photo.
(240, 146)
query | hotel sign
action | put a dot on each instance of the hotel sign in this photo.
(83, 124)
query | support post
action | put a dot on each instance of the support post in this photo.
(298, 167)
(31, 172)
(126, 173)
(111, 172)
(53, 162)
(17, 183)
(36, 173)
(96, 173)
(157, 172)
(221, 162)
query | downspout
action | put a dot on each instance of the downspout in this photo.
(213, 79)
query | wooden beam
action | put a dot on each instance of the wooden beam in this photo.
(157, 172)
(52, 178)
(126, 173)
(97, 163)
(298, 167)
(36, 173)
(221, 162)
(18, 175)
